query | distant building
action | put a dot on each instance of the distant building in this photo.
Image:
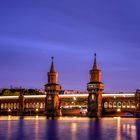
(72, 92)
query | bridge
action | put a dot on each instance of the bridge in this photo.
(54, 104)
(35, 104)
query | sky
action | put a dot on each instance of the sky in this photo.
(32, 31)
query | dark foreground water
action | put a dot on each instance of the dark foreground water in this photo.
(69, 128)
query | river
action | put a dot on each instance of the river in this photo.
(68, 128)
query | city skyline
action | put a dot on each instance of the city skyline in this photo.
(32, 32)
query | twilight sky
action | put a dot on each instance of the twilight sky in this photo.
(31, 31)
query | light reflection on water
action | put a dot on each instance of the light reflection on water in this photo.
(69, 128)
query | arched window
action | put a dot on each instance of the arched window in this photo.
(27, 105)
(119, 104)
(114, 104)
(5, 106)
(2, 106)
(44, 105)
(110, 104)
(124, 105)
(37, 105)
(9, 106)
(137, 105)
(34, 105)
(128, 104)
(15, 106)
(12, 106)
(106, 105)
(41, 105)
(30, 105)
(132, 105)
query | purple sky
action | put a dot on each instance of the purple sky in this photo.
(31, 31)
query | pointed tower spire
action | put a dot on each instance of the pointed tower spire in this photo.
(95, 72)
(52, 74)
(95, 66)
(52, 70)
(95, 89)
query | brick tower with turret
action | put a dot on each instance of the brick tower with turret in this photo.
(95, 89)
(52, 89)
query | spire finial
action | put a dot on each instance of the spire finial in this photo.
(52, 58)
(95, 63)
(52, 65)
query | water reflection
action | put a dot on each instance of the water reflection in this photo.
(73, 130)
(51, 130)
(138, 128)
(37, 128)
(94, 129)
(9, 128)
(129, 131)
(118, 128)
(20, 129)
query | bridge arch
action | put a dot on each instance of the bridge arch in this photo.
(110, 105)
(114, 104)
(119, 104)
(124, 104)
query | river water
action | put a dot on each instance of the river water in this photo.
(69, 128)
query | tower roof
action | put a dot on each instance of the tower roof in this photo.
(95, 66)
(52, 70)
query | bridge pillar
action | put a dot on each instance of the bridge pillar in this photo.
(95, 89)
(52, 89)
(137, 103)
(21, 104)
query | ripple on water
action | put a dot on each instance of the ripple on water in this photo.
(69, 128)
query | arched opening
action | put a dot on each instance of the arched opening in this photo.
(110, 104)
(5, 106)
(15, 106)
(30, 105)
(124, 105)
(12, 106)
(114, 105)
(119, 105)
(9, 106)
(37, 105)
(128, 104)
(106, 105)
(41, 105)
(132, 104)
(27, 105)
(2, 106)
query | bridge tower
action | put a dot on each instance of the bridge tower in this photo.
(137, 103)
(52, 89)
(95, 88)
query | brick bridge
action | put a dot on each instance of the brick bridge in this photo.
(35, 104)
(53, 104)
